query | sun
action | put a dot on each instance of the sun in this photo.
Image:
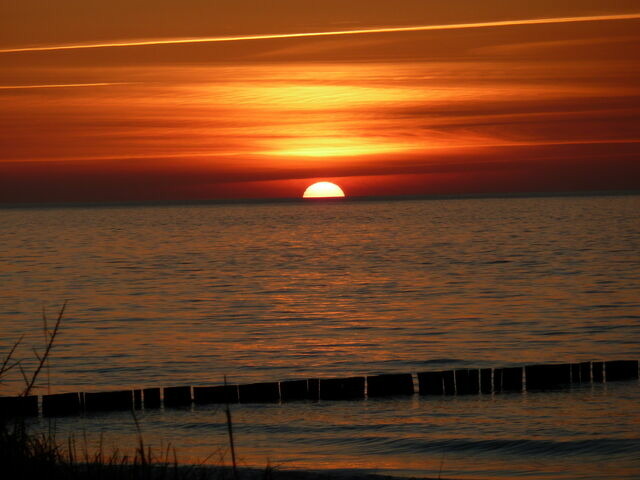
(323, 190)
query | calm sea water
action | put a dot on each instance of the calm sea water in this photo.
(171, 295)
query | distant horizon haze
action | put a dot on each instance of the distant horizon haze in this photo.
(302, 200)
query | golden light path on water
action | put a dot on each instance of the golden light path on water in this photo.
(363, 31)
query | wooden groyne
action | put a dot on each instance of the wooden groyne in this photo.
(468, 381)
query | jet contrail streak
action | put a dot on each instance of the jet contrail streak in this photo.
(364, 31)
(58, 85)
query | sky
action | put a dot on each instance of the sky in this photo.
(199, 99)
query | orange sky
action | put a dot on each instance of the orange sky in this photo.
(469, 102)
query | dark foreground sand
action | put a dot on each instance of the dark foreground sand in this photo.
(186, 472)
(226, 473)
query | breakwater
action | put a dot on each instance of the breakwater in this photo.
(469, 381)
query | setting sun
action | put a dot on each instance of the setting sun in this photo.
(323, 190)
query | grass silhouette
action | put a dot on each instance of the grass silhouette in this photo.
(24, 454)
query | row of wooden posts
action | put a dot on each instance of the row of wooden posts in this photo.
(450, 382)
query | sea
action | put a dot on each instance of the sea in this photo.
(168, 295)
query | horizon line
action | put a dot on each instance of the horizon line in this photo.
(297, 199)
(361, 31)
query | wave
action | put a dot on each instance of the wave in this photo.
(508, 446)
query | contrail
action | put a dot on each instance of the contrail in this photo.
(58, 85)
(364, 31)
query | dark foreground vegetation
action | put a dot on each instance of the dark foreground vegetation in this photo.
(40, 456)
(25, 454)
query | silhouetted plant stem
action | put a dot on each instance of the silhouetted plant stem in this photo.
(7, 363)
(43, 359)
(230, 429)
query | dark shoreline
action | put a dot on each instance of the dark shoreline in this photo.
(206, 472)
